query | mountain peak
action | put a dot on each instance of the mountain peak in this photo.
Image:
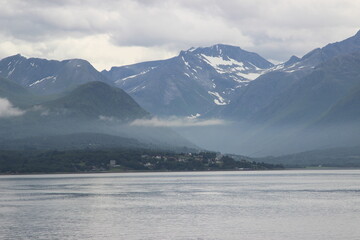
(215, 50)
(222, 46)
(293, 59)
(16, 57)
(357, 34)
(77, 62)
(44, 76)
(96, 99)
(331, 50)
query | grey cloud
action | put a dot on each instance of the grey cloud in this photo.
(34, 20)
(274, 29)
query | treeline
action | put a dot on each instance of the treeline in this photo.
(37, 161)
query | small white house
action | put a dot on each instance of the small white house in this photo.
(112, 163)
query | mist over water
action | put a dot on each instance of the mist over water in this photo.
(256, 140)
(281, 205)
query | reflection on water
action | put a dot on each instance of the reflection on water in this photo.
(207, 205)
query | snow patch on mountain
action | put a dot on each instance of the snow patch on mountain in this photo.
(289, 69)
(185, 62)
(11, 72)
(136, 89)
(196, 80)
(215, 62)
(250, 76)
(219, 100)
(134, 76)
(43, 79)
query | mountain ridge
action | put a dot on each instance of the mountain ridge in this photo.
(206, 76)
(96, 99)
(256, 101)
(44, 77)
(287, 101)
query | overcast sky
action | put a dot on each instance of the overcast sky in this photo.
(118, 32)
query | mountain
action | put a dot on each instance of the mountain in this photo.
(345, 110)
(83, 109)
(219, 80)
(304, 103)
(301, 89)
(94, 100)
(93, 115)
(71, 141)
(43, 76)
(329, 157)
(293, 107)
(313, 95)
(194, 82)
(321, 55)
(20, 96)
(13, 92)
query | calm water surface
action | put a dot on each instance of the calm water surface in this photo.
(209, 205)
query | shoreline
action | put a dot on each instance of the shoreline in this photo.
(205, 171)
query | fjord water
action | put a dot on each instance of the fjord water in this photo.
(301, 204)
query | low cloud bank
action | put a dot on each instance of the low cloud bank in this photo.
(176, 122)
(8, 110)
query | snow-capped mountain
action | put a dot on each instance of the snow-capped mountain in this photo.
(194, 82)
(43, 76)
(301, 88)
(304, 102)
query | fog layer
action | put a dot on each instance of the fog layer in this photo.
(258, 140)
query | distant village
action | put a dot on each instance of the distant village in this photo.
(123, 160)
(203, 161)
